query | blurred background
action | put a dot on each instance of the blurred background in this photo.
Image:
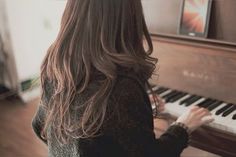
(27, 28)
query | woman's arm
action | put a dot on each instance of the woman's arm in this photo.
(133, 124)
(40, 115)
(38, 122)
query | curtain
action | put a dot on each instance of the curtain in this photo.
(8, 73)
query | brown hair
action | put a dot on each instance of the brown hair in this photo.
(94, 36)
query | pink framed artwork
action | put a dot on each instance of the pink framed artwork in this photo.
(195, 16)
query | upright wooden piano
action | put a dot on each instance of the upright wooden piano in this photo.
(198, 71)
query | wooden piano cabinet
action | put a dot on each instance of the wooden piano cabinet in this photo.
(214, 141)
(203, 68)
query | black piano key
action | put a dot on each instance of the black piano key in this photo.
(177, 97)
(230, 110)
(187, 99)
(223, 109)
(206, 103)
(203, 102)
(193, 100)
(160, 90)
(209, 103)
(172, 96)
(234, 117)
(169, 94)
(214, 105)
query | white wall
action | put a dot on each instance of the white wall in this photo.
(34, 25)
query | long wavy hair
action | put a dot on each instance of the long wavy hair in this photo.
(95, 36)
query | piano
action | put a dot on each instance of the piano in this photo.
(178, 102)
(199, 72)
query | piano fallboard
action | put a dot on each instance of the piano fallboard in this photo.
(200, 68)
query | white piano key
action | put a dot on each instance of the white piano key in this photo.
(153, 89)
(166, 92)
(219, 120)
(176, 109)
(233, 123)
(223, 123)
(230, 123)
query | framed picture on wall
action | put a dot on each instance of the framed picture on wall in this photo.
(195, 17)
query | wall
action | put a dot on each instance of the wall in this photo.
(163, 17)
(33, 27)
(8, 73)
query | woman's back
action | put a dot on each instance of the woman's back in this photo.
(127, 129)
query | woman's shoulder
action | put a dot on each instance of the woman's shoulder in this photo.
(130, 78)
(129, 89)
(129, 82)
(128, 98)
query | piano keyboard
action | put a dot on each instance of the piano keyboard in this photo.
(178, 102)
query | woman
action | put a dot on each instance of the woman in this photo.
(94, 102)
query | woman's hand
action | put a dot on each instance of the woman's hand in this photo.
(195, 118)
(159, 101)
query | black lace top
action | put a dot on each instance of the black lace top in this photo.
(127, 130)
